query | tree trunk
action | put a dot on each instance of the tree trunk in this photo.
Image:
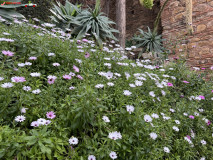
(189, 16)
(121, 21)
(157, 20)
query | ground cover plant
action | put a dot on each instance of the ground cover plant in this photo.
(66, 99)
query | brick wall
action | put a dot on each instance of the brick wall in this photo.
(198, 47)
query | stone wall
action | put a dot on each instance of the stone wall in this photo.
(198, 47)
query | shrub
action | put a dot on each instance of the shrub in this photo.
(149, 41)
(66, 99)
(63, 16)
(95, 23)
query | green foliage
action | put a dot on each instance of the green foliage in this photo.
(63, 16)
(149, 41)
(147, 3)
(94, 23)
(79, 112)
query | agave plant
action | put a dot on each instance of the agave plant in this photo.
(95, 23)
(8, 11)
(149, 41)
(63, 16)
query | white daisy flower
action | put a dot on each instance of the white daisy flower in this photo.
(79, 60)
(115, 135)
(73, 140)
(27, 88)
(110, 84)
(51, 54)
(127, 75)
(196, 114)
(7, 85)
(173, 77)
(99, 86)
(163, 92)
(7, 34)
(24, 110)
(49, 25)
(1, 78)
(185, 114)
(34, 124)
(177, 121)
(41, 121)
(127, 93)
(152, 94)
(188, 140)
(130, 109)
(166, 118)
(175, 128)
(56, 64)
(201, 110)
(72, 74)
(91, 157)
(166, 149)
(37, 91)
(172, 110)
(71, 88)
(154, 115)
(32, 58)
(203, 142)
(117, 74)
(106, 119)
(138, 83)
(28, 63)
(113, 155)
(21, 64)
(132, 85)
(107, 58)
(147, 118)
(20, 118)
(153, 135)
(35, 74)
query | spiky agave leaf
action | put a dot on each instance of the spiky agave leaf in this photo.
(63, 16)
(147, 3)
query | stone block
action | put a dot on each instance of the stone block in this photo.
(195, 39)
(204, 50)
(192, 45)
(211, 3)
(210, 24)
(201, 27)
(204, 7)
(204, 43)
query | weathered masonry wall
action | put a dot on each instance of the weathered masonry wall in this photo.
(199, 47)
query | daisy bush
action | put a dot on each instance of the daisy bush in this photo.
(66, 99)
